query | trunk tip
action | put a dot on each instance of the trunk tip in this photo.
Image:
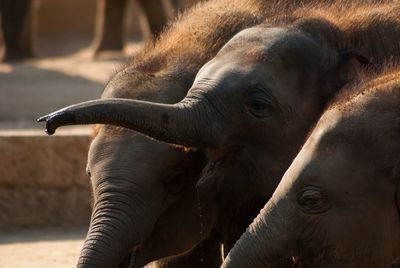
(50, 129)
(55, 120)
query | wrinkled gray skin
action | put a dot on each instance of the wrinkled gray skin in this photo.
(338, 203)
(251, 106)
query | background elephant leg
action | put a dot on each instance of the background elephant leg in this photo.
(156, 15)
(109, 33)
(16, 21)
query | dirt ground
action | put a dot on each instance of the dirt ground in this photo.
(41, 248)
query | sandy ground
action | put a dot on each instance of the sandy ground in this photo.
(44, 248)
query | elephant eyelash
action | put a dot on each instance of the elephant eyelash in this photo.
(260, 103)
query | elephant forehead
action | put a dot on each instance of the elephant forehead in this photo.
(313, 151)
(253, 37)
(224, 71)
(330, 158)
(262, 44)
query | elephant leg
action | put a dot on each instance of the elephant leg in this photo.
(109, 33)
(156, 15)
(17, 26)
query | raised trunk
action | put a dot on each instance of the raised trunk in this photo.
(188, 123)
(115, 229)
(267, 241)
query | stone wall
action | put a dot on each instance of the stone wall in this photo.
(43, 180)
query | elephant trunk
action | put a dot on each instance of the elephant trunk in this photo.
(266, 241)
(188, 123)
(116, 228)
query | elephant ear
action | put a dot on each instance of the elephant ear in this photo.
(348, 66)
(350, 63)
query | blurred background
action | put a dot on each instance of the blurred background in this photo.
(55, 53)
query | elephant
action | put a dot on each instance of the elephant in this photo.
(18, 20)
(338, 203)
(144, 190)
(250, 108)
(17, 26)
(110, 19)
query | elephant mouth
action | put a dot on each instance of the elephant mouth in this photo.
(212, 171)
(216, 157)
(218, 167)
(226, 155)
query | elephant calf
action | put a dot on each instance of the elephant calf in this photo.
(338, 203)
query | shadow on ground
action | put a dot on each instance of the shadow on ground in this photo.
(42, 234)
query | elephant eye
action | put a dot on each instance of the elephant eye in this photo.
(313, 200)
(175, 183)
(259, 104)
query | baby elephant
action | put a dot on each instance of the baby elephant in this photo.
(338, 203)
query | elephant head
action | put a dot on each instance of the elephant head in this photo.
(150, 206)
(337, 205)
(250, 107)
(144, 195)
